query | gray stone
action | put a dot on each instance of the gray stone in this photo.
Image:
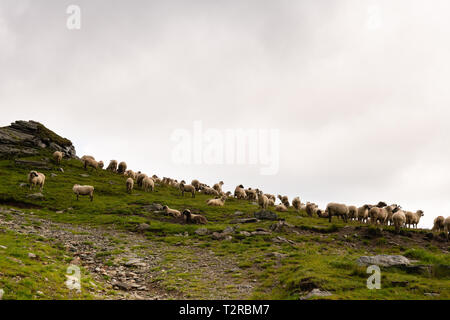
(266, 215)
(228, 230)
(84, 175)
(202, 231)
(36, 196)
(316, 293)
(245, 233)
(143, 227)
(244, 220)
(31, 255)
(383, 260)
(238, 213)
(53, 175)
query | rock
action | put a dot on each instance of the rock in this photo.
(383, 260)
(221, 236)
(31, 255)
(418, 269)
(281, 240)
(244, 220)
(143, 227)
(202, 231)
(238, 213)
(134, 262)
(60, 211)
(153, 207)
(260, 233)
(84, 175)
(36, 196)
(245, 233)
(22, 185)
(429, 294)
(3, 247)
(53, 175)
(266, 215)
(228, 230)
(316, 293)
(276, 255)
(122, 286)
(281, 226)
(25, 138)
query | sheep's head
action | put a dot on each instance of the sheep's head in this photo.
(165, 208)
(420, 213)
(221, 183)
(381, 204)
(33, 174)
(187, 213)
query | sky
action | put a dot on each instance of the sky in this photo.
(356, 91)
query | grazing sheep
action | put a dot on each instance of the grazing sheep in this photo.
(57, 156)
(36, 179)
(413, 218)
(263, 201)
(83, 191)
(196, 184)
(399, 220)
(270, 197)
(194, 218)
(239, 192)
(112, 166)
(130, 185)
(131, 174)
(220, 202)
(88, 162)
(447, 227)
(171, 212)
(86, 157)
(148, 184)
(122, 168)
(281, 208)
(210, 191)
(218, 186)
(156, 179)
(187, 188)
(284, 200)
(380, 213)
(337, 209)
(101, 164)
(251, 194)
(296, 203)
(363, 213)
(140, 178)
(310, 208)
(271, 202)
(352, 213)
(438, 224)
(320, 213)
(393, 208)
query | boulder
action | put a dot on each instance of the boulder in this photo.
(202, 231)
(384, 260)
(316, 293)
(266, 215)
(36, 196)
(244, 220)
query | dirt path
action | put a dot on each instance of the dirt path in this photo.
(136, 267)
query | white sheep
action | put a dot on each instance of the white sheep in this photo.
(210, 191)
(296, 203)
(413, 218)
(219, 202)
(194, 218)
(281, 208)
(187, 188)
(131, 174)
(310, 208)
(83, 191)
(130, 185)
(89, 162)
(36, 179)
(363, 213)
(399, 220)
(171, 212)
(140, 177)
(57, 156)
(148, 184)
(239, 192)
(447, 227)
(337, 209)
(438, 224)
(196, 184)
(122, 167)
(218, 186)
(112, 166)
(284, 200)
(352, 213)
(263, 201)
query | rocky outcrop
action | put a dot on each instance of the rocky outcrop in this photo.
(383, 260)
(28, 138)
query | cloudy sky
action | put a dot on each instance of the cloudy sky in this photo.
(358, 90)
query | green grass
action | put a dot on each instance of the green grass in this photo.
(321, 256)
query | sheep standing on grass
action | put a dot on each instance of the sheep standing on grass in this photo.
(447, 227)
(130, 185)
(210, 191)
(263, 201)
(284, 200)
(112, 166)
(171, 212)
(194, 218)
(352, 213)
(438, 224)
(296, 203)
(57, 156)
(148, 184)
(140, 178)
(131, 174)
(187, 188)
(281, 208)
(363, 213)
(378, 213)
(337, 209)
(101, 165)
(218, 186)
(36, 179)
(413, 218)
(83, 191)
(88, 162)
(196, 184)
(251, 194)
(399, 220)
(239, 192)
(122, 168)
(310, 207)
(220, 202)
(86, 157)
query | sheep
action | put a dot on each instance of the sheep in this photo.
(101, 165)
(220, 202)
(263, 201)
(36, 179)
(148, 183)
(83, 191)
(112, 166)
(413, 218)
(218, 186)
(296, 203)
(447, 227)
(399, 220)
(270, 197)
(310, 208)
(251, 194)
(379, 213)
(438, 224)
(122, 168)
(196, 184)
(86, 157)
(131, 174)
(57, 156)
(320, 213)
(187, 188)
(140, 177)
(393, 208)
(352, 213)
(88, 162)
(239, 192)
(130, 185)
(284, 200)
(171, 212)
(211, 191)
(271, 202)
(156, 179)
(363, 213)
(194, 218)
(337, 209)
(281, 208)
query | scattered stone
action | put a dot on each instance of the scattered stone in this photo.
(383, 260)
(60, 211)
(282, 240)
(84, 175)
(418, 269)
(245, 233)
(122, 286)
(228, 230)
(53, 175)
(276, 255)
(432, 294)
(22, 185)
(31, 255)
(260, 233)
(316, 293)
(143, 227)
(202, 231)
(221, 236)
(266, 215)
(238, 213)
(153, 207)
(36, 196)
(281, 226)
(244, 220)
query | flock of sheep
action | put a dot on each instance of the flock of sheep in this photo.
(380, 213)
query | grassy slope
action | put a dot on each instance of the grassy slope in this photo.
(326, 259)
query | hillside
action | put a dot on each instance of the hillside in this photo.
(128, 248)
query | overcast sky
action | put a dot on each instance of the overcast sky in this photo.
(357, 89)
